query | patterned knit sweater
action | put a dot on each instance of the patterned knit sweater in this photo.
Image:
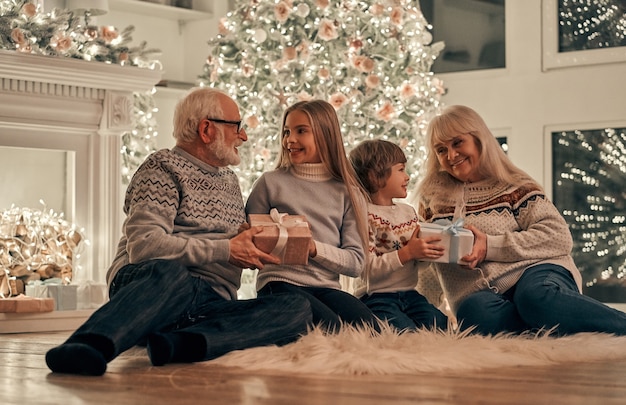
(180, 208)
(523, 229)
(390, 227)
(309, 190)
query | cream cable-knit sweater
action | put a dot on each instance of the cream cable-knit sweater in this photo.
(523, 229)
(309, 190)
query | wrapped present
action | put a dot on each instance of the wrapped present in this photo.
(457, 240)
(92, 295)
(10, 286)
(283, 235)
(65, 296)
(22, 303)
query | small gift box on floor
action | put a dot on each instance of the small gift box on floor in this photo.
(457, 240)
(285, 236)
(22, 304)
(65, 296)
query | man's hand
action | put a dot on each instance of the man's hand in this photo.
(244, 254)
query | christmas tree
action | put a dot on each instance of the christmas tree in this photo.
(370, 59)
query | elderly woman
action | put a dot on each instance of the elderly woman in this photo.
(520, 275)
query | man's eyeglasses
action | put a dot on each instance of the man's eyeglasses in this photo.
(238, 123)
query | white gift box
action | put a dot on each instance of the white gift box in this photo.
(65, 297)
(457, 240)
(92, 295)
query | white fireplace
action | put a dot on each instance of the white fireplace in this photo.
(61, 122)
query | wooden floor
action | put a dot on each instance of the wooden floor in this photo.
(130, 379)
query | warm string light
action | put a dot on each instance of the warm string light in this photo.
(370, 59)
(39, 244)
(140, 142)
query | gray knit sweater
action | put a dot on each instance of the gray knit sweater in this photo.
(523, 229)
(309, 190)
(180, 208)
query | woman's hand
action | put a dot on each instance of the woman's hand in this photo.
(479, 252)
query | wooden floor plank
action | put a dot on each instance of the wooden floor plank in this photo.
(130, 379)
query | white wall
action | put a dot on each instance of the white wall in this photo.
(518, 101)
(184, 49)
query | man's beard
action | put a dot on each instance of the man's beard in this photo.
(225, 154)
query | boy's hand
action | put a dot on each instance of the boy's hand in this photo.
(421, 248)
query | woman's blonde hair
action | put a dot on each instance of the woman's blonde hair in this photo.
(493, 163)
(329, 143)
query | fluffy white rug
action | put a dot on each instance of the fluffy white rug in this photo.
(355, 351)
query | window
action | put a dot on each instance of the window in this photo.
(473, 33)
(588, 177)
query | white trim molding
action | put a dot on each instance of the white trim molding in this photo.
(83, 108)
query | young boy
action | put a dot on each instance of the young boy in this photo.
(394, 248)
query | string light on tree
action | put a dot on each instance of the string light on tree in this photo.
(138, 143)
(589, 174)
(370, 59)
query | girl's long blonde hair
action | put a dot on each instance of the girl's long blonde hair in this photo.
(329, 143)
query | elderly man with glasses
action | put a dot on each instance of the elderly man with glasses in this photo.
(173, 283)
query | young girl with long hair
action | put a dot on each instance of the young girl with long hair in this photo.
(314, 178)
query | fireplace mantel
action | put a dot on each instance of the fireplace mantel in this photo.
(83, 108)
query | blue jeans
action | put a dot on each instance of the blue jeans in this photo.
(163, 296)
(545, 297)
(330, 307)
(406, 310)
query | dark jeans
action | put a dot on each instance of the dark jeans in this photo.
(330, 307)
(406, 310)
(545, 297)
(162, 296)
